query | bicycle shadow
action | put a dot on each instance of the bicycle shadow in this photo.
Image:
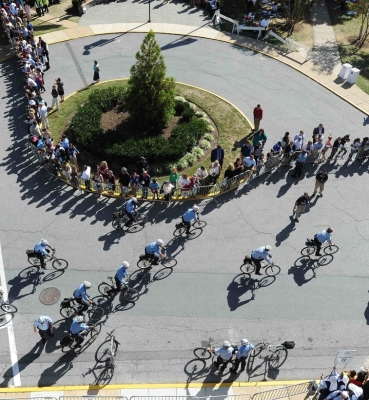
(142, 279)
(243, 285)
(303, 270)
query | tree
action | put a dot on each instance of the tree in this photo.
(295, 11)
(150, 95)
(362, 10)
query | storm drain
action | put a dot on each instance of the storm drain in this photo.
(50, 296)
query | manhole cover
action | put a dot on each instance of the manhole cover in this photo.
(50, 296)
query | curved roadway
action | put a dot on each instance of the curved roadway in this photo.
(204, 297)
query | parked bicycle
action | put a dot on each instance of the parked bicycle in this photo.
(278, 352)
(108, 290)
(120, 219)
(181, 228)
(5, 306)
(109, 353)
(146, 263)
(69, 343)
(311, 248)
(57, 263)
(205, 353)
(249, 267)
(69, 308)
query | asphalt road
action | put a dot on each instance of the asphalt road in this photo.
(204, 296)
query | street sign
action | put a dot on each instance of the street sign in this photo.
(344, 356)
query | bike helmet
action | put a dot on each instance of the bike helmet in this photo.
(134, 200)
(268, 248)
(125, 264)
(195, 208)
(160, 242)
(41, 319)
(44, 242)
(79, 319)
(87, 284)
(226, 344)
(244, 342)
(330, 229)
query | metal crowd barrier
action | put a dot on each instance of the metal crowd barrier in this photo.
(285, 392)
(207, 191)
(92, 397)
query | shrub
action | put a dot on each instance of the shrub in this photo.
(209, 137)
(200, 114)
(190, 158)
(209, 128)
(108, 98)
(205, 144)
(188, 114)
(197, 152)
(179, 107)
(182, 164)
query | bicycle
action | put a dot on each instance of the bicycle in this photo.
(248, 267)
(109, 353)
(279, 352)
(146, 263)
(181, 228)
(69, 308)
(70, 340)
(5, 306)
(57, 263)
(108, 290)
(311, 248)
(120, 219)
(205, 353)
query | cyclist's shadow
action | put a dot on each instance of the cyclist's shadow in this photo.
(142, 279)
(303, 270)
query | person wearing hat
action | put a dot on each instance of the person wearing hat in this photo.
(259, 254)
(320, 238)
(224, 353)
(241, 355)
(141, 165)
(121, 276)
(320, 179)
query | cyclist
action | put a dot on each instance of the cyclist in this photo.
(154, 251)
(241, 355)
(224, 355)
(78, 330)
(261, 253)
(44, 325)
(81, 296)
(320, 238)
(189, 215)
(41, 251)
(130, 208)
(121, 276)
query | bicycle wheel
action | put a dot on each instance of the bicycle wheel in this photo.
(258, 349)
(308, 251)
(169, 262)
(105, 289)
(141, 219)
(180, 232)
(68, 312)
(117, 223)
(9, 308)
(277, 358)
(273, 270)
(131, 295)
(331, 249)
(247, 268)
(60, 264)
(202, 352)
(95, 313)
(29, 271)
(199, 224)
(34, 260)
(144, 264)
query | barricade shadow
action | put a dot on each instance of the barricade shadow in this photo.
(303, 270)
(243, 285)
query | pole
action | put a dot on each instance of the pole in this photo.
(149, 11)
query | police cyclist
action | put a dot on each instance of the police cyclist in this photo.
(154, 251)
(189, 215)
(130, 208)
(121, 276)
(259, 254)
(320, 238)
(81, 296)
(42, 250)
(224, 355)
(79, 329)
(44, 325)
(241, 355)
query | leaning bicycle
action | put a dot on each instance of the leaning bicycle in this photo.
(146, 262)
(109, 353)
(108, 290)
(181, 228)
(120, 219)
(205, 353)
(57, 263)
(311, 248)
(249, 267)
(5, 306)
(278, 352)
(69, 308)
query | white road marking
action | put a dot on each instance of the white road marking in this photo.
(9, 326)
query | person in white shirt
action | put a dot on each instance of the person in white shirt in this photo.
(224, 355)
(249, 162)
(43, 115)
(202, 173)
(44, 325)
(302, 136)
(86, 176)
(298, 143)
(264, 23)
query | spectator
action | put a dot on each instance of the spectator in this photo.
(260, 163)
(39, 7)
(74, 177)
(363, 152)
(98, 184)
(154, 187)
(277, 148)
(246, 149)
(320, 180)
(317, 148)
(124, 180)
(328, 145)
(259, 136)
(103, 169)
(43, 115)
(217, 154)
(249, 162)
(194, 184)
(298, 143)
(318, 130)
(110, 181)
(300, 164)
(214, 172)
(73, 152)
(302, 136)
(141, 165)
(35, 129)
(238, 166)
(145, 180)
(229, 172)
(96, 69)
(258, 150)
(133, 183)
(66, 170)
(202, 173)
(308, 147)
(335, 148)
(86, 176)
(185, 184)
(168, 190)
(354, 148)
(60, 88)
(173, 177)
(65, 143)
(342, 145)
(258, 116)
(46, 5)
(55, 97)
(285, 140)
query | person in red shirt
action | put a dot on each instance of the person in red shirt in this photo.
(258, 115)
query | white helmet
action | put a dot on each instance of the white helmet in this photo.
(268, 248)
(87, 284)
(44, 242)
(79, 319)
(125, 264)
(244, 342)
(195, 208)
(134, 200)
(41, 319)
(160, 242)
(226, 344)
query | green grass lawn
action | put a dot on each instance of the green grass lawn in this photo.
(42, 27)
